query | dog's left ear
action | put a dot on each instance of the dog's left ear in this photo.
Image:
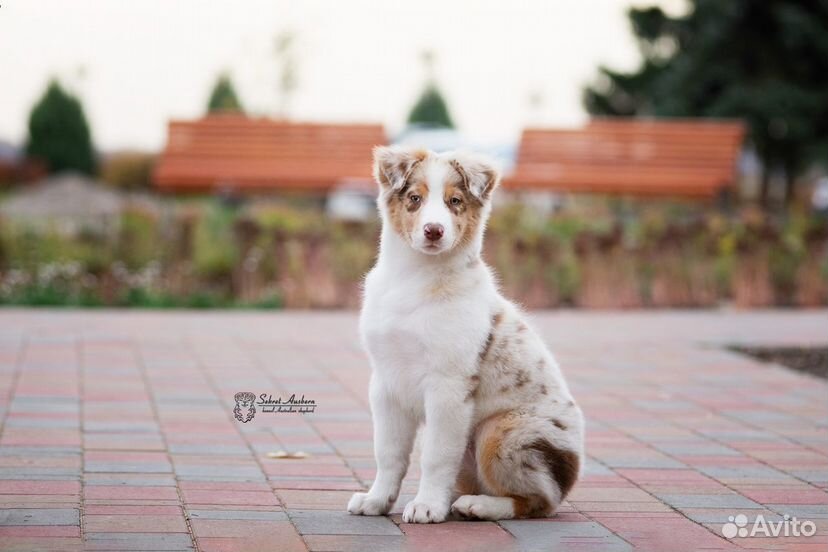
(478, 174)
(393, 165)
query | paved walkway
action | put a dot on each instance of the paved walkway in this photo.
(119, 433)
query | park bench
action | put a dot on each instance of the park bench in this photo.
(234, 152)
(689, 158)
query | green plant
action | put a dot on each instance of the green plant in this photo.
(59, 134)
(215, 254)
(223, 97)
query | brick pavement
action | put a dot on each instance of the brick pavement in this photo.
(118, 434)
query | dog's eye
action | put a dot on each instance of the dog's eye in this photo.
(455, 201)
(414, 198)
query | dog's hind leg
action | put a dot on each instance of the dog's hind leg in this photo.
(521, 467)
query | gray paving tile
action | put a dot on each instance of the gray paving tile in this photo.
(323, 522)
(209, 449)
(40, 516)
(734, 501)
(802, 511)
(220, 471)
(742, 472)
(124, 467)
(237, 514)
(547, 535)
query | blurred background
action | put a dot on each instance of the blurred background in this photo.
(218, 154)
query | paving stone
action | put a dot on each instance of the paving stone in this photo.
(358, 543)
(542, 535)
(134, 523)
(734, 501)
(668, 414)
(39, 516)
(162, 542)
(482, 536)
(238, 514)
(241, 498)
(322, 522)
(675, 533)
(258, 543)
(7, 531)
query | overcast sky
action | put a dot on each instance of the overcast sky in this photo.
(137, 63)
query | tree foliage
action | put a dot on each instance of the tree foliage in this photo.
(59, 134)
(763, 61)
(223, 98)
(431, 109)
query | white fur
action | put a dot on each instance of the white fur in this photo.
(423, 351)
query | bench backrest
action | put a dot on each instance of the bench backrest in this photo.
(636, 157)
(232, 151)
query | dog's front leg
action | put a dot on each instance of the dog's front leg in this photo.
(394, 433)
(448, 418)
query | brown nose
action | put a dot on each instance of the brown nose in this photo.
(433, 232)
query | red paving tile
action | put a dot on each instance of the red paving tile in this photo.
(127, 417)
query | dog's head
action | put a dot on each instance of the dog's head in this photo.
(435, 202)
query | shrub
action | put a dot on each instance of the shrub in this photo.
(215, 254)
(128, 170)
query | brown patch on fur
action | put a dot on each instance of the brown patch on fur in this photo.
(465, 208)
(542, 389)
(487, 346)
(521, 378)
(533, 506)
(497, 431)
(562, 464)
(504, 388)
(522, 327)
(467, 476)
(402, 210)
(559, 424)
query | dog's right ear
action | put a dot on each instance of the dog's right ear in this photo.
(393, 165)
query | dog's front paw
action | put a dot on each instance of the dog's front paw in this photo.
(419, 511)
(365, 504)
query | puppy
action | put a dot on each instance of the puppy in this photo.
(503, 437)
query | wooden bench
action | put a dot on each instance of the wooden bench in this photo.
(691, 158)
(246, 154)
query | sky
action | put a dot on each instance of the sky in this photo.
(137, 64)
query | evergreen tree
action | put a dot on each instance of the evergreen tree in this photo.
(59, 134)
(763, 61)
(431, 109)
(223, 98)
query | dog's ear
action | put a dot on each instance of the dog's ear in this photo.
(478, 173)
(393, 165)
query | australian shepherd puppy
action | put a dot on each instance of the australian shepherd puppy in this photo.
(503, 436)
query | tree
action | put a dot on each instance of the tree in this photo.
(223, 98)
(59, 134)
(763, 61)
(431, 109)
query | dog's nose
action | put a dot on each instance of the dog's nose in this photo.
(433, 232)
